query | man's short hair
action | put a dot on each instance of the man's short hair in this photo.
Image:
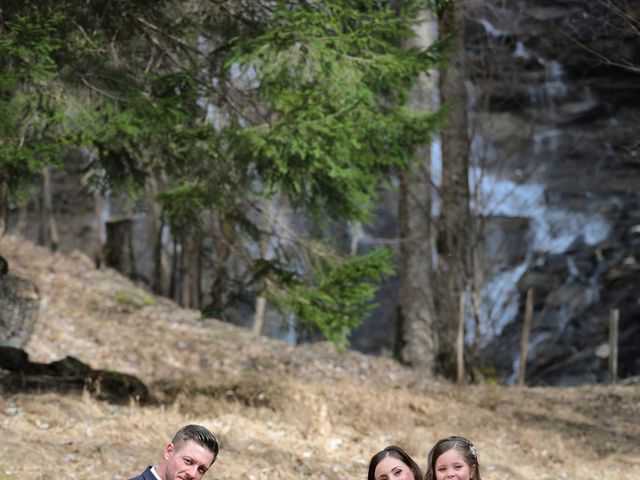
(198, 434)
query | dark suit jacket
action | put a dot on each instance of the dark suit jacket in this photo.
(146, 475)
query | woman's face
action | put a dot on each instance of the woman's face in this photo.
(451, 465)
(391, 468)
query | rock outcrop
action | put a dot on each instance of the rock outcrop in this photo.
(19, 306)
(68, 375)
(557, 100)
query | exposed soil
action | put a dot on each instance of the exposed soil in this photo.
(280, 412)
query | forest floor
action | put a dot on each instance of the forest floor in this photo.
(280, 412)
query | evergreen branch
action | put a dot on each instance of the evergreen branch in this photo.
(100, 91)
(160, 47)
(177, 40)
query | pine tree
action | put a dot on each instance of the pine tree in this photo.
(225, 106)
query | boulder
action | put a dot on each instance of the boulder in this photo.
(19, 306)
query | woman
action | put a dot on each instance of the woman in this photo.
(453, 458)
(393, 463)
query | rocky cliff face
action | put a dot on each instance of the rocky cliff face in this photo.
(556, 105)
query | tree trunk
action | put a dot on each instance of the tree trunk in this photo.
(190, 272)
(119, 247)
(4, 202)
(159, 273)
(453, 242)
(49, 229)
(416, 319)
(223, 239)
(174, 278)
(21, 223)
(524, 339)
(460, 340)
(261, 302)
(98, 207)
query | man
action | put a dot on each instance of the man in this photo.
(187, 457)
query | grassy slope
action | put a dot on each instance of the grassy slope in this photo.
(280, 412)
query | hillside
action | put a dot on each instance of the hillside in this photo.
(280, 412)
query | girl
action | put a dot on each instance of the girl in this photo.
(453, 458)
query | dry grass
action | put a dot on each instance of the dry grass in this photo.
(280, 413)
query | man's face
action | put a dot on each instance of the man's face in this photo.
(187, 461)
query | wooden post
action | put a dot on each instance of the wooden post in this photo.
(259, 316)
(524, 341)
(460, 340)
(614, 316)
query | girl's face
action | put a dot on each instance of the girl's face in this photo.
(391, 468)
(451, 465)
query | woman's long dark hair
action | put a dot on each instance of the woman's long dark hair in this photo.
(395, 452)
